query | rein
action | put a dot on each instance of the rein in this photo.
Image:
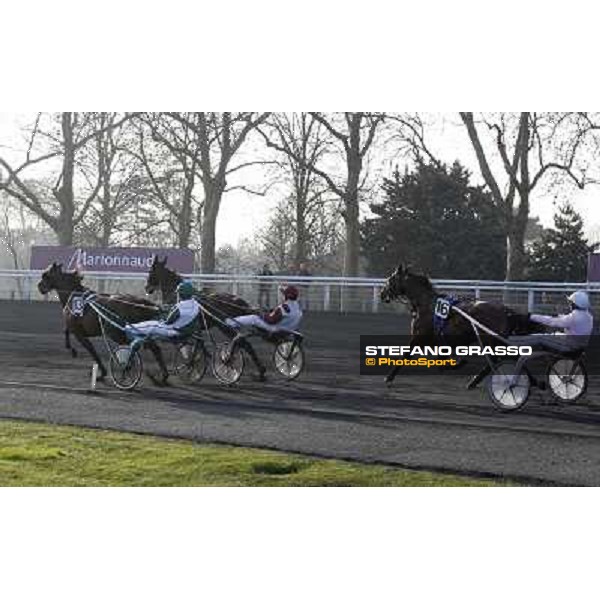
(108, 296)
(148, 306)
(207, 298)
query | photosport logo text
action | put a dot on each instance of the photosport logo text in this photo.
(380, 353)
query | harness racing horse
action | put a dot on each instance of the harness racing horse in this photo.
(419, 293)
(220, 305)
(87, 325)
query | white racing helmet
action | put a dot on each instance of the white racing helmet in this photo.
(580, 300)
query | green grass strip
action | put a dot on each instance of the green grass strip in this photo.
(33, 454)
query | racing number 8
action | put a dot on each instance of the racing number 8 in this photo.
(77, 306)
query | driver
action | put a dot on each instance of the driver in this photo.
(287, 316)
(180, 321)
(576, 326)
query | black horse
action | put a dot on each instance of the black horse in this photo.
(219, 306)
(418, 291)
(130, 309)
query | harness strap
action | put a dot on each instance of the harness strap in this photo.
(477, 325)
(441, 319)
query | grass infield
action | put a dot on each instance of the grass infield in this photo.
(33, 454)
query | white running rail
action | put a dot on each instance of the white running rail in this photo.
(338, 294)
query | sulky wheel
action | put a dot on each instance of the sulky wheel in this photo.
(288, 359)
(126, 369)
(190, 362)
(506, 390)
(567, 379)
(228, 363)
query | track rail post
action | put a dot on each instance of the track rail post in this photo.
(375, 299)
(326, 297)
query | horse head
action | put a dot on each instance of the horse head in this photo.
(156, 274)
(51, 278)
(395, 286)
(160, 277)
(54, 278)
(403, 284)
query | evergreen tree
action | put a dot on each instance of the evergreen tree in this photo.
(561, 253)
(434, 219)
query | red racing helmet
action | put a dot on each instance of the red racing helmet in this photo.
(290, 292)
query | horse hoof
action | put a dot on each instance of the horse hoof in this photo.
(159, 381)
(389, 381)
(262, 376)
(74, 353)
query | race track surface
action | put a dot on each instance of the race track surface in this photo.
(427, 422)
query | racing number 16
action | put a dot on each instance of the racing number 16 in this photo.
(442, 308)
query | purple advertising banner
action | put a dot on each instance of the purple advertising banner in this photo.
(593, 272)
(115, 260)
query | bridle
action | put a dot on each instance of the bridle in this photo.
(393, 294)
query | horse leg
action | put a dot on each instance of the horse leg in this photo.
(415, 341)
(68, 343)
(85, 342)
(158, 355)
(389, 378)
(247, 346)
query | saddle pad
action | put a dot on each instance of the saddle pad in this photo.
(442, 309)
(77, 303)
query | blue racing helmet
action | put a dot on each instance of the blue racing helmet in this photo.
(580, 300)
(185, 290)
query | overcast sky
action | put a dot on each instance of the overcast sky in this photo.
(241, 215)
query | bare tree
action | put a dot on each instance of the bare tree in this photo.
(352, 135)
(277, 238)
(323, 230)
(18, 231)
(407, 133)
(305, 142)
(218, 140)
(168, 151)
(121, 183)
(529, 146)
(11, 234)
(58, 146)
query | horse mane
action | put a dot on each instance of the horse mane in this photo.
(173, 274)
(423, 280)
(75, 276)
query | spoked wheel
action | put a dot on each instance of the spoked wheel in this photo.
(567, 380)
(288, 358)
(126, 369)
(228, 363)
(190, 362)
(507, 390)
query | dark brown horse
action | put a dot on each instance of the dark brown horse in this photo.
(161, 278)
(418, 292)
(221, 306)
(129, 309)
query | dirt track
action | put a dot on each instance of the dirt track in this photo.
(423, 422)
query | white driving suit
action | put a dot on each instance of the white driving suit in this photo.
(577, 327)
(184, 313)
